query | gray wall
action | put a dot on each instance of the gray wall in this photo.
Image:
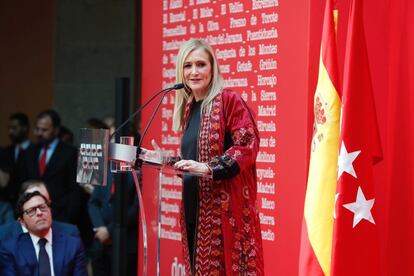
(95, 43)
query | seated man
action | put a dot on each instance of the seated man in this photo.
(40, 251)
(14, 228)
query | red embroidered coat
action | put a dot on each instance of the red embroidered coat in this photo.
(228, 237)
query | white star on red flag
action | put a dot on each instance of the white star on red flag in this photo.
(345, 160)
(361, 208)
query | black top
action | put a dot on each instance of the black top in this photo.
(189, 151)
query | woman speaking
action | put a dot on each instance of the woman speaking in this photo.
(219, 218)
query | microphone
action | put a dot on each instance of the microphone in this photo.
(166, 90)
(178, 86)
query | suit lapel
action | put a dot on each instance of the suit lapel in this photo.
(25, 246)
(34, 160)
(58, 245)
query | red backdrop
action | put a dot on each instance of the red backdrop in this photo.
(264, 60)
(294, 28)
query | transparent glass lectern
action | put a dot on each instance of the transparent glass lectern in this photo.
(96, 153)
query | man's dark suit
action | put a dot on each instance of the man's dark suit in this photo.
(18, 256)
(14, 229)
(10, 165)
(60, 179)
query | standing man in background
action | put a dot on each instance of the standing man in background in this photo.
(19, 135)
(18, 131)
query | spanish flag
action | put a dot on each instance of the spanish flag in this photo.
(317, 230)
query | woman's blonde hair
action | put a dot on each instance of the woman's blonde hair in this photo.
(182, 96)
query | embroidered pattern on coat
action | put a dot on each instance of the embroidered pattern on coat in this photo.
(225, 224)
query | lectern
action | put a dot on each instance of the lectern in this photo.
(97, 156)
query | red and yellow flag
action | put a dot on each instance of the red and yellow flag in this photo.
(355, 249)
(316, 242)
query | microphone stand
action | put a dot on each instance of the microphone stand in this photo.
(165, 91)
(152, 118)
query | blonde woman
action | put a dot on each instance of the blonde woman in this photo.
(220, 225)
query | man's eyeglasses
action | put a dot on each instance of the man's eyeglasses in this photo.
(32, 211)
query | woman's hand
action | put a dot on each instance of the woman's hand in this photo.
(192, 166)
(154, 156)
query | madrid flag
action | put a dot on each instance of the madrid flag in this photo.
(355, 247)
(317, 227)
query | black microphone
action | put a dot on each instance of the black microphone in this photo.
(178, 86)
(166, 90)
